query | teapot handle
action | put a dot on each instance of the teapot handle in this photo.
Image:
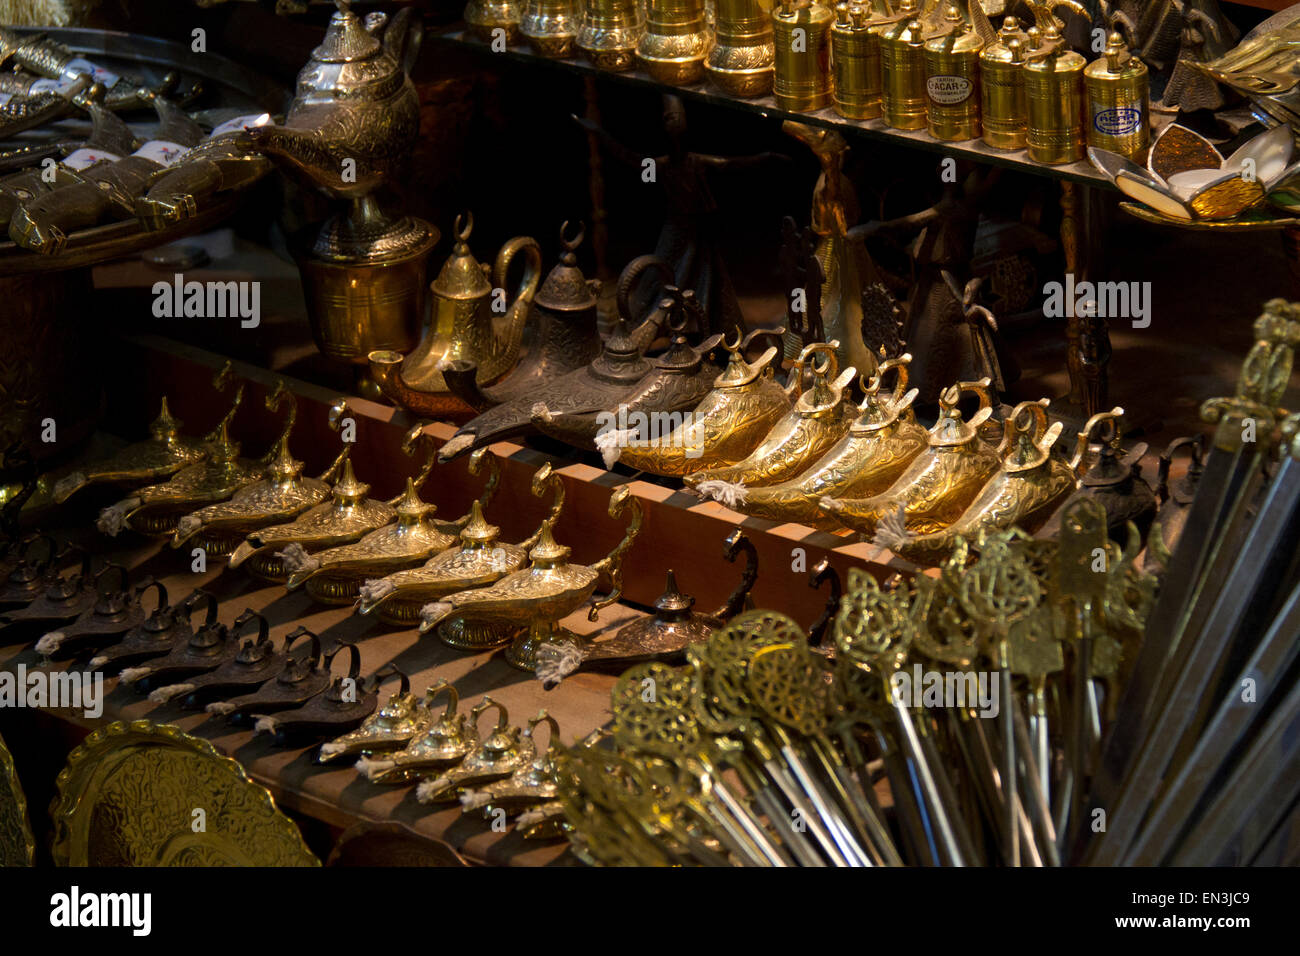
(532, 276)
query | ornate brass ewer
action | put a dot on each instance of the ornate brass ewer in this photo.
(550, 589)
(879, 446)
(941, 482)
(469, 323)
(352, 124)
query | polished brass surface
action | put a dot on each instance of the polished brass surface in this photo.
(164, 453)
(940, 483)
(443, 741)
(335, 575)
(740, 63)
(952, 79)
(479, 561)
(548, 590)
(855, 57)
(528, 786)
(609, 33)
(281, 494)
(1004, 114)
(551, 27)
(391, 727)
(1119, 101)
(675, 41)
(17, 845)
(878, 447)
(346, 517)
(821, 416)
(661, 636)
(801, 32)
(726, 425)
(471, 321)
(1030, 485)
(127, 798)
(612, 376)
(1054, 95)
(497, 756)
(486, 17)
(903, 98)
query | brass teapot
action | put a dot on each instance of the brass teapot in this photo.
(878, 448)
(471, 322)
(820, 417)
(941, 482)
(599, 385)
(559, 336)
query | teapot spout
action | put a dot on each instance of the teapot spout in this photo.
(462, 378)
(386, 368)
(307, 154)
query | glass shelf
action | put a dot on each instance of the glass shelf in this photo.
(765, 106)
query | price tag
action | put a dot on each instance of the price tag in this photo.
(161, 151)
(84, 158)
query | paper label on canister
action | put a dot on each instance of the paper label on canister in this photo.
(948, 90)
(80, 67)
(161, 151)
(1117, 120)
(85, 157)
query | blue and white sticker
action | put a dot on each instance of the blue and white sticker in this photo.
(239, 123)
(52, 86)
(86, 157)
(80, 67)
(161, 151)
(1117, 121)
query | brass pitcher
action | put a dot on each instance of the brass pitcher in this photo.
(551, 27)
(940, 482)
(675, 42)
(471, 321)
(1031, 484)
(727, 425)
(879, 446)
(609, 34)
(820, 417)
(740, 63)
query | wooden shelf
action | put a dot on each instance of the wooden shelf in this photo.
(765, 107)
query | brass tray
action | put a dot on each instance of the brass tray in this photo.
(17, 845)
(129, 795)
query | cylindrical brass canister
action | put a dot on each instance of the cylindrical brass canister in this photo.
(1054, 101)
(902, 65)
(1002, 87)
(952, 80)
(609, 33)
(740, 62)
(855, 57)
(674, 43)
(802, 37)
(551, 27)
(1119, 101)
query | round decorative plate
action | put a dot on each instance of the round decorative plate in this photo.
(17, 846)
(146, 794)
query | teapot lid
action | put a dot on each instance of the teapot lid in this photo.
(566, 288)
(347, 38)
(462, 276)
